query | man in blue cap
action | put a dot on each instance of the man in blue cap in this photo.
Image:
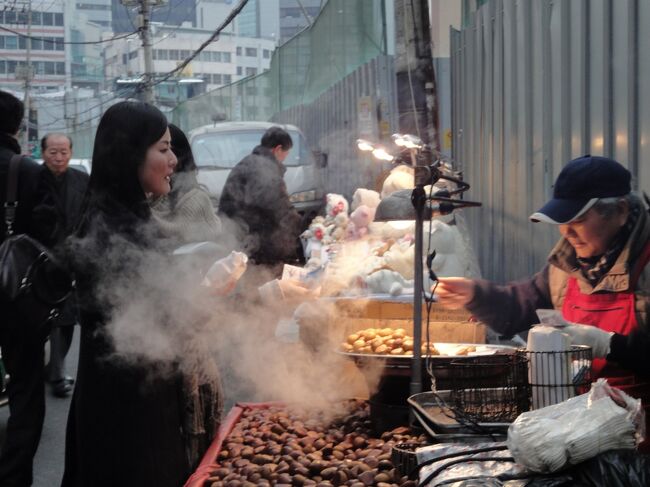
(596, 275)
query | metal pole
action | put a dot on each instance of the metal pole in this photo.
(28, 76)
(418, 198)
(148, 53)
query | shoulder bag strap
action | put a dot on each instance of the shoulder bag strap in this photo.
(11, 201)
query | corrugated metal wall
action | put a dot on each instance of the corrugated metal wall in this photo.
(535, 84)
(331, 123)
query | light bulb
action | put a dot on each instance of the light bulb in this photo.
(364, 145)
(381, 154)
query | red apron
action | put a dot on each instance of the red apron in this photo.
(612, 312)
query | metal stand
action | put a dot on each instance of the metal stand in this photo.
(418, 199)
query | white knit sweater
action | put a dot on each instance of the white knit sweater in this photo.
(192, 219)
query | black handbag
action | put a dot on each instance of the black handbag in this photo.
(33, 284)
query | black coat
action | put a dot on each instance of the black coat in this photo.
(31, 196)
(255, 197)
(124, 425)
(65, 195)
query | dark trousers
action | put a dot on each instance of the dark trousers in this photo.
(23, 359)
(60, 341)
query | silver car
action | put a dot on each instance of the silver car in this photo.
(218, 148)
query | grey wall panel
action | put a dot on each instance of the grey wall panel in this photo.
(643, 82)
(330, 123)
(620, 72)
(597, 76)
(536, 84)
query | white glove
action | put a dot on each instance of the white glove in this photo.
(591, 336)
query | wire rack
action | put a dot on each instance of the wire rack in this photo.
(488, 389)
(556, 376)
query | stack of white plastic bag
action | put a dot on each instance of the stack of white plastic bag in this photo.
(550, 366)
(568, 433)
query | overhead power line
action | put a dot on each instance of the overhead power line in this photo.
(210, 39)
(50, 40)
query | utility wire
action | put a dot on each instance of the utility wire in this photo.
(180, 67)
(125, 95)
(210, 39)
(50, 40)
(176, 28)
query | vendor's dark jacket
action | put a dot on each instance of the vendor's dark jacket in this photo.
(255, 197)
(510, 308)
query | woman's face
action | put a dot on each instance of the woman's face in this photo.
(155, 173)
(592, 233)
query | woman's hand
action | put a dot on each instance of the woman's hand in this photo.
(454, 292)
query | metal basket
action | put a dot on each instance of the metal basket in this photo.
(405, 459)
(556, 376)
(488, 389)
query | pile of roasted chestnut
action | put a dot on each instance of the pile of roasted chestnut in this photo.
(383, 341)
(290, 447)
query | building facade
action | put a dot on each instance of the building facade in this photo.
(293, 17)
(98, 12)
(170, 12)
(224, 61)
(44, 29)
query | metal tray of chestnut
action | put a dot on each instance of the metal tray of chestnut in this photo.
(278, 445)
(445, 353)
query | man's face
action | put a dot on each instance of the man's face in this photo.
(57, 154)
(592, 233)
(279, 153)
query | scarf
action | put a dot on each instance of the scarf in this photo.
(594, 268)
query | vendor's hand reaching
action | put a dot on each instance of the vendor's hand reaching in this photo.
(591, 336)
(454, 292)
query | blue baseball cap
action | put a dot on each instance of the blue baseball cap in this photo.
(580, 184)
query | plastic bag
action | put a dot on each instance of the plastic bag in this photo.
(622, 468)
(551, 317)
(224, 274)
(445, 463)
(575, 430)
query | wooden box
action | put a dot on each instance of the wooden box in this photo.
(451, 326)
(339, 318)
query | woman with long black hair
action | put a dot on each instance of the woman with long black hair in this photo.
(124, 427)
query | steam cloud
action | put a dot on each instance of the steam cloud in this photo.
(163, 319)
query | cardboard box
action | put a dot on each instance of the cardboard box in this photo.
(445, 325)
(346, 316)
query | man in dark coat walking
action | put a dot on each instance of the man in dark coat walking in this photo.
(255, 196)
(66, 188)
(22, 354)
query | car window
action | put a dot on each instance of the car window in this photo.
(226, 149)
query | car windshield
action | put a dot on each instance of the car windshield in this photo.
(226, 149)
